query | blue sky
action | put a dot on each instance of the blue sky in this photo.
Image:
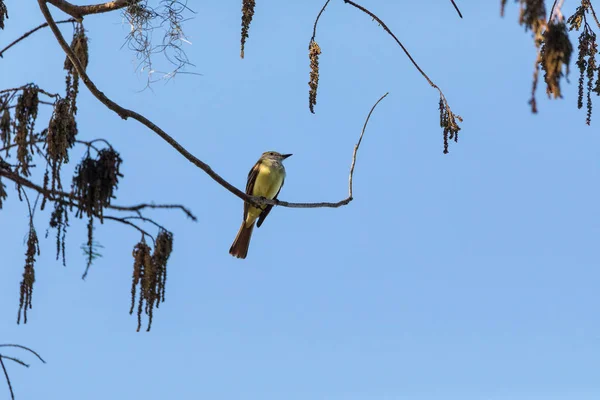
(472, 275)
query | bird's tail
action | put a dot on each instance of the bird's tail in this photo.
(239, 248)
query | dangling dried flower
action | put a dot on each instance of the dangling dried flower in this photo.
(5, 128)
(555, 53)
(79, 45)
(95, 181)
(26, 287)
(3, 193)
(25, 116)
(247, 14)
(3, 13)
(502, 5)
(313, 54)
(586, 58)
(59, 220)
(162, 251)
(150, 274)
(448, 123)
(60, 138)
(533, 16)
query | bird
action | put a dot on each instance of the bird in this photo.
(265, 179)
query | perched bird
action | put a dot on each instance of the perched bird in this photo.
(264, 180)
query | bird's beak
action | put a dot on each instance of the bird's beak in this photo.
(284, 156)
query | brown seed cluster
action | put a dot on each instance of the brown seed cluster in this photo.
(555, 55)
(60, 137)
(59, 220)
(26, 113)
(589, 70)
(3, 13)
(5, 128)
(448, 121)
(533, 15)
(26, 287)
(247, 14)
(313, 54)
(95, 182)
(150, 274)
(79, 45)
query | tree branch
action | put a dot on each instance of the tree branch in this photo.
(26, 34)
(126, 113)
(78, 12)
(456, 8)
(68, 199)
(24, 348)
(317, 21)
(12, 394)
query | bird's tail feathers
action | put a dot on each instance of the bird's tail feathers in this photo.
(239, 248)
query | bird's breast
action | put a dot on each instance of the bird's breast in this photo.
(268, 181)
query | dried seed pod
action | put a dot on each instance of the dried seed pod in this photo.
(25, 115)
(79, 45)
(61, 132)
(313, 54)
(3, 193)
(3, 13)
(533, 15)
(448, 121)
(26, 286)
(555, 53)
(247, 14)
(5, 128)
(95, 181)
(162, 251)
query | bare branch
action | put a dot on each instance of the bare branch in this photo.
(456, 8)
(124, 221)
(126, 113)
(384, 26)
(24, 348)
(16, 360)
(156, 206)
(26, 34)
(594, 14)
(358, 145)
(312, 39)
(69, 199)
(78, 12)
(12, 394)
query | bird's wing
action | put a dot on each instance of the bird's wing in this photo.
(267, 210)
(250, 185)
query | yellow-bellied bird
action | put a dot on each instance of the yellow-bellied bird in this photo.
(264, 180)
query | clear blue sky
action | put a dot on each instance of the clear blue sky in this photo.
(472, 275)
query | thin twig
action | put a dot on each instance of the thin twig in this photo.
(141, 218)
(32, 31)
(57, 195)
(15, 360)
(126, 113)
(164, 206)
(594, 14)
(552, 11)
(24, 348)
(358, 145)
(456, 8)
(312, 39)
(385, 27)
(12, 394)
(124, 221)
